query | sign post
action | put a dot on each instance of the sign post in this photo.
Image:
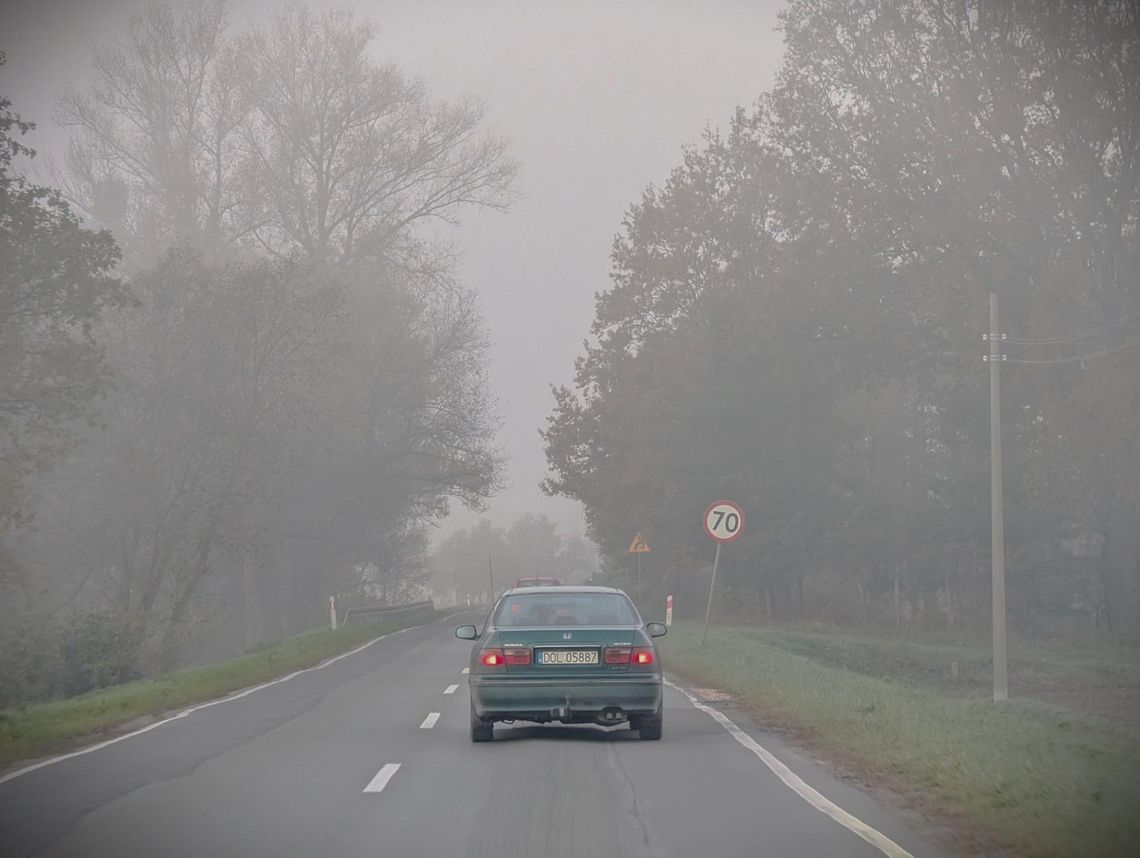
(639, 546)
(723, 522)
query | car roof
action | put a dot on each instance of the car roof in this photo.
(563, 589)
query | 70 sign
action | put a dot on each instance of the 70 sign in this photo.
(724, 521)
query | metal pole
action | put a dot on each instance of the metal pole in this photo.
(491, 573)
(639, 571)
(712, 583)
(997, 524)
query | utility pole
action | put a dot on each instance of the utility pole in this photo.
(491, 573)
(997, 524)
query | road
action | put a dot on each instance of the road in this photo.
(352, 760)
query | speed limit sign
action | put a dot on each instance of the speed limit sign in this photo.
(724, 521)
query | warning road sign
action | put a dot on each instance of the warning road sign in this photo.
(639, 545)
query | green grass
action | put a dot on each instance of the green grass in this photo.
(42, 728)
(1040, 780)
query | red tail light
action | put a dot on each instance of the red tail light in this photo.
(643, 655)
(517, 655)
(492, 658)
(616, 655)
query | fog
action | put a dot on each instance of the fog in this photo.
(596, 100)
(811, 328)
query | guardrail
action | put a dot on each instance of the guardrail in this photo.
(371, 611)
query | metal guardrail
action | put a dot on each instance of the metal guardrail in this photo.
(371, 611)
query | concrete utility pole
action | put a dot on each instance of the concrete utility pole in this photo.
(997, 524)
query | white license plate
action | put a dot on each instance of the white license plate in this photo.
(568, 656)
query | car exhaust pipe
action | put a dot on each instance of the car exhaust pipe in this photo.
(611, 715)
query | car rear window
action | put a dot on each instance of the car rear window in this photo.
(566, 609)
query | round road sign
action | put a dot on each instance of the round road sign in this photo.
(724, 521)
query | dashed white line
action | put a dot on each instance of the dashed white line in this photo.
(429, 721)
(450, 689)
(797, 785)
(378, 783)
(466, 670)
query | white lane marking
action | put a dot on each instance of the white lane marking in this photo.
(429, 721)
(466, 670)
(450, 689)
(797, 785)
(11, 776)
(378, 783)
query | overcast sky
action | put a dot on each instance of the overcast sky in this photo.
(596, 97)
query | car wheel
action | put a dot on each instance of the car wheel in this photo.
(481, 730)
(649, 729)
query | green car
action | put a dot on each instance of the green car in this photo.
(579, 655)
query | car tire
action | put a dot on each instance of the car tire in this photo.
(481, 729)
(649, 729)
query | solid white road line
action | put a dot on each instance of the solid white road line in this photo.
(450, 689)
(466, 670)
(429, 721)
(236, 696)
(796, 784)
(378, 783)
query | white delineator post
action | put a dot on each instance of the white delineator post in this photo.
(332, 612)
(669, 610)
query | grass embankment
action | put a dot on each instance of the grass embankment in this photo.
(1027, 775)
(42, 728)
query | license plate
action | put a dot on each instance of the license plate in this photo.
(568, 656)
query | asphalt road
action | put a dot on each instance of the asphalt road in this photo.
(307, 767)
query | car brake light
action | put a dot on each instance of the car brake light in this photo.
(517, 655)
(617, 655)
(643, 655)
(492, 658)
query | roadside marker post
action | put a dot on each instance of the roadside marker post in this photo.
(669, 610)
(723, 523)
(332, 612)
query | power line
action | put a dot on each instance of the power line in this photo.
(1048, 341)
(1072, 358)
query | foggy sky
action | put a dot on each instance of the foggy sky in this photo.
(596, 97)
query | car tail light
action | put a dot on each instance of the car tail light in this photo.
(492, 658)
(517, 655)
(643, 655)
(616, 655)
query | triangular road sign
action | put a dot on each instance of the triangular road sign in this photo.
(639, 545)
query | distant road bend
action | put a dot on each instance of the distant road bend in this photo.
(370, 755)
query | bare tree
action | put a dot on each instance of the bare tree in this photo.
(346, 156)
(156, 151)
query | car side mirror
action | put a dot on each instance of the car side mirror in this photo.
(656, 630)
(467, 633)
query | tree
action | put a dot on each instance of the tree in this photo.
(346, 157)
(289, 139)
(56, 283)
(194, 137)
(830, 256)
(218, 368)
(460, 561)
(156, 153)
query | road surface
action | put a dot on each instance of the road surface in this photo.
(370, 756)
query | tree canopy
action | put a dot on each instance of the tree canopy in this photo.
(795, 315)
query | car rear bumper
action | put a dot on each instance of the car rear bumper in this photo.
(506, 698)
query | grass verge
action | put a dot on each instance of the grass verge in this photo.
(39, 729)
(1033, 778)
